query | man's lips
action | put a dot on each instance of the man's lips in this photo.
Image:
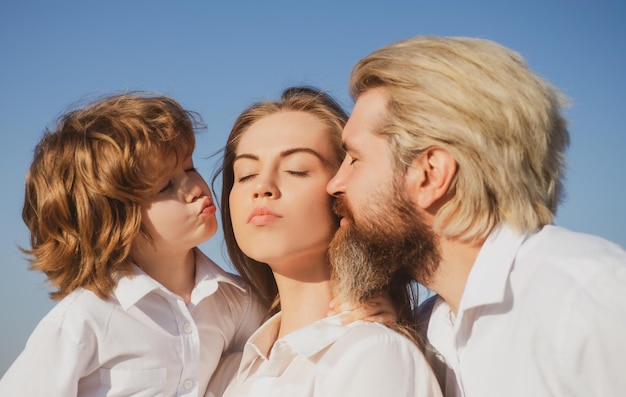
(262, 216)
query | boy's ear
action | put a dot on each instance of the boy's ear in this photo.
(430, 175)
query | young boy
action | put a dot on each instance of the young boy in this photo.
(115, 210)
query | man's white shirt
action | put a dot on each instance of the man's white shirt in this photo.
(542, 314)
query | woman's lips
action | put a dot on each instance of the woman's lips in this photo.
(262, 216)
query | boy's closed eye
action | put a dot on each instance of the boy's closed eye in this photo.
(167, 187)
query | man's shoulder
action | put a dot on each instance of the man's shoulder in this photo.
(569, 243)
(559, 252)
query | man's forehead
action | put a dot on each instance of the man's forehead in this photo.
(368, 117)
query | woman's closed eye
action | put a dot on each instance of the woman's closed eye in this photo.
(299, 174)
(245, 178)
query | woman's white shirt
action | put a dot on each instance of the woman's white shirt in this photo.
(328, 359)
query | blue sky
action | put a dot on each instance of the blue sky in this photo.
(217, 59)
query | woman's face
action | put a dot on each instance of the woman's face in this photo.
(279, 206)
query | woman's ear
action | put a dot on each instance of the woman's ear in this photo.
(430, 175)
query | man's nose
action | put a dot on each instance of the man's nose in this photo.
(336, 186)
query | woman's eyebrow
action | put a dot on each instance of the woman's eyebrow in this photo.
(326, 162)
(297, 150)
(246, 156)
(283, 154)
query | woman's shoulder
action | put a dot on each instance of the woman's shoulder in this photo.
(388, 363)
(365, 330)
(374, 338)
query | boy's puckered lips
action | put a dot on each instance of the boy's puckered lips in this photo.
(207, 208)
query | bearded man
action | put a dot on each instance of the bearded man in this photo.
(453, 173)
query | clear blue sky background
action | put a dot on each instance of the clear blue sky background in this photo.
(217, 59)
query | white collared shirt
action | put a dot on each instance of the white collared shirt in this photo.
(143, 341)
(542, 314)
(328, 359)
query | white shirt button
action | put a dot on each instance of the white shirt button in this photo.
(188, 384)
(187, 328)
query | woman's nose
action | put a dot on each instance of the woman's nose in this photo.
(265, 188)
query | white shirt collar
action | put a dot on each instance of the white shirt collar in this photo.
(488, 278)
(131, 289)
(305, 341)
(326, 331)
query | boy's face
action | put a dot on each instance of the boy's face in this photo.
(181, 215)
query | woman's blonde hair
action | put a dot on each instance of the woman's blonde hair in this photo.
(479, 101)
(88, 181)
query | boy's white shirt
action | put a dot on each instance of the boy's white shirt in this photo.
(144, 341)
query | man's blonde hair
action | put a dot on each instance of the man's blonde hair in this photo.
(479, 101)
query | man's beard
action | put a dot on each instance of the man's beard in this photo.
(389, 247)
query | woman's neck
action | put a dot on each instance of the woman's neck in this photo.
(304, 298)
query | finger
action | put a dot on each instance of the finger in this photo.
(353, 315)
(384, 318)
(332, 304)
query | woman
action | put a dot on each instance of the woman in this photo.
(278, 223)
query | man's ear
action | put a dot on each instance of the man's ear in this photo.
(430, 175)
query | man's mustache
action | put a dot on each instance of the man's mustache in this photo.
(342, 209)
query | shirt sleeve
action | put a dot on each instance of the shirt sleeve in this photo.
(592, 344)
(251, 318)
(51, 363)
(384, 364)
(223, 375)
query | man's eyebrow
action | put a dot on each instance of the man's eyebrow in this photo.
(347, 147)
